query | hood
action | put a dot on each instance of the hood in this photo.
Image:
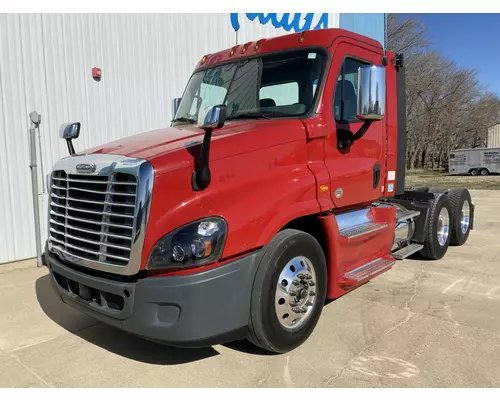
(179, 145)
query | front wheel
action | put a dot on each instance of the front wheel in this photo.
(288, 293)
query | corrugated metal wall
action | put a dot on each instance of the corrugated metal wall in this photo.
(371, 25)
(45, 65)
(494, 136)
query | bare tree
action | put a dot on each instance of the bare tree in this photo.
(447, 107)
(405, 35)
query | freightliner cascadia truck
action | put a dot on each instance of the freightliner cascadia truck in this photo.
(280, 185)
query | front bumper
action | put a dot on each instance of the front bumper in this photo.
(196, 310)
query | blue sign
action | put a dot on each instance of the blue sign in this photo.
(297, 22)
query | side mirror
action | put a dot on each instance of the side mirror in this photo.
(208, 119)
(212, 117)
(371, 93)
(175, 105)
(70, 131)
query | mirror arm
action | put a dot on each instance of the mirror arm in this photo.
(201, 176)
(71, 149)
(346, 138)
(359, 134)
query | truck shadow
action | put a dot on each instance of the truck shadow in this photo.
(109, 338)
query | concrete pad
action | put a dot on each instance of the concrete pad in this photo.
(26, 299)
(427, 352)
(14, 375)
(422, 324)
(18, 265)
(92, 356)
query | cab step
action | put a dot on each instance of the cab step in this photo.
(360, 230)
(407, 251)
(412, 214)
(365, 271)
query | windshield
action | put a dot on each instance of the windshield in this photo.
(271, 86)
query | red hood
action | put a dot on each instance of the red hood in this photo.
(234, 138)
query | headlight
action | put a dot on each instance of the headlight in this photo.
(195, 244)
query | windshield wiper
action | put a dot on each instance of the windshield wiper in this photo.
(184, 119)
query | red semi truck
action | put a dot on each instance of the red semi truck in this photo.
(279, 185)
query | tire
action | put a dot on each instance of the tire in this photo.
(457, 199)
(265, 329)
(474, 172)
(484, 172)
(437, 190)
(433, 249)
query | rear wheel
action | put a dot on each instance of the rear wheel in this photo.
(437, 190)
(288, 293)
(437, 234)
(484, 172)
(474, 172)
(461, 206)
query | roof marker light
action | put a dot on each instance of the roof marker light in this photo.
(258, 44)
(301, 36)
(245, 47)
(204, 60)
(233, 50)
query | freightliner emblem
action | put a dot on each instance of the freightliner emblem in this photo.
(86, 168)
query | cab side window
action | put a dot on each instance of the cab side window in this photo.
(346, 96)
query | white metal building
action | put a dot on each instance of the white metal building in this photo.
(494, 136)
(46, 63)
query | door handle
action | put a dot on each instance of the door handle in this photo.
(376, 175)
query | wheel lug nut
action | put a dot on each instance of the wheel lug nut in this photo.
(312, 293)
(299, 310)
(292, 293)
(295, 283)
(301, 276)
(311, 284)
(309, 303)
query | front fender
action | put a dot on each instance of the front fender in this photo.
(257, 193)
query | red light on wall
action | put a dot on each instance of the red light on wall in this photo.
(96, 73)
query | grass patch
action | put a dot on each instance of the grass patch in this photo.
(434, 178)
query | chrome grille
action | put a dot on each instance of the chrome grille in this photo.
(93, 216)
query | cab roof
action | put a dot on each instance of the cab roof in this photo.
(314, 38)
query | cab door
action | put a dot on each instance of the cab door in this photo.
(356, 172)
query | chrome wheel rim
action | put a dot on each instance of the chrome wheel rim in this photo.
(295, 293)
(443, 226)
(465, 217)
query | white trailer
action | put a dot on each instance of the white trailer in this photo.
(474, 161)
